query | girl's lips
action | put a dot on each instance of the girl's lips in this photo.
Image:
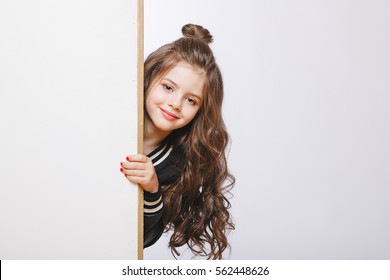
(168, 115)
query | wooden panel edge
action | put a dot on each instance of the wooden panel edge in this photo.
(140, 92)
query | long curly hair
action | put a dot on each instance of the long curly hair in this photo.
(196, 206)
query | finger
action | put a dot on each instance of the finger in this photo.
(133, 165)
(135, 179)
(137, 158)
(131, 179)
(136, 173)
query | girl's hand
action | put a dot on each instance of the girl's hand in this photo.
(139, 169)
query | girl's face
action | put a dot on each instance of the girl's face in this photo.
(174, 101)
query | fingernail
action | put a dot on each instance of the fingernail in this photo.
(122, 164)
(128, 158)
(121, 169)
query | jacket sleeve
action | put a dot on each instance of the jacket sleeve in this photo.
(153, 210)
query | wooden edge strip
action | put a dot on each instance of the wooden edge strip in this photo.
(140, 89)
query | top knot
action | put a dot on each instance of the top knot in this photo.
(197, 32)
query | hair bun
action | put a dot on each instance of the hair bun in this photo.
(197, 32)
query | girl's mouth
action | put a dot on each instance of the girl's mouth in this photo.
(168, 115)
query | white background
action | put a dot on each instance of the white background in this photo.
(68, 117)
(307, 98)
(307, 107)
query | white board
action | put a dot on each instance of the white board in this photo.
(68, 117)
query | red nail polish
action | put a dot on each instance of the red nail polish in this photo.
(128, 158)
(121, 169)
(122, 164)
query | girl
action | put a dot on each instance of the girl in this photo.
(184, 173)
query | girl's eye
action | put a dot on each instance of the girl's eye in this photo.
(191, 100)
(168, 88)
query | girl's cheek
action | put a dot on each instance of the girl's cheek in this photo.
(155, 98)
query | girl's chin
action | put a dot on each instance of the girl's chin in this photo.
(164, 128)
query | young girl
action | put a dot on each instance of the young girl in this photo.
(184, 173)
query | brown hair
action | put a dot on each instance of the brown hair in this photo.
(196, 207)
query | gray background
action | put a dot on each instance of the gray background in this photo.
(307, 107)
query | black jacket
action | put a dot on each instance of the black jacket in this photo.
(168, 164)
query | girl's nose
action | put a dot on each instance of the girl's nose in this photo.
(174, 103)
(174, 106)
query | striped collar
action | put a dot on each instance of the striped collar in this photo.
(159, 154)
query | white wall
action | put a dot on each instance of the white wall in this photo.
(68, 117)
(307, 107)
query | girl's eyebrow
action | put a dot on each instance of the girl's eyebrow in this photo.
(169, 80)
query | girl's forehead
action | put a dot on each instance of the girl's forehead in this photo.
(184, 66)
